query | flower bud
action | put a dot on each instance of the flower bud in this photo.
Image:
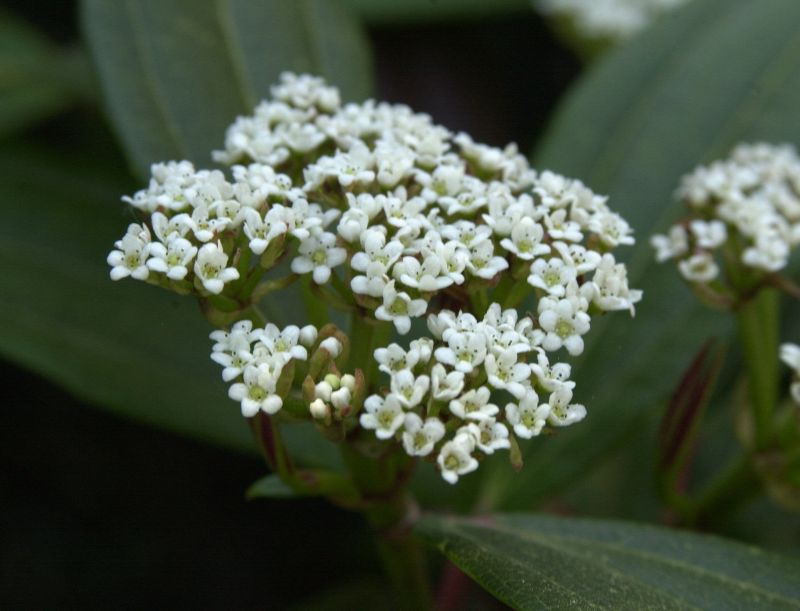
(319, 409)
(334, 381)
(340, 398)
(348, 381)
(308, 335)
(332, 345)
(323, 391)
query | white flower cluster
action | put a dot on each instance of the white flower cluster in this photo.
(447, 384)
(255, 359)
(420, 211)
(614, 20)
(394, 218)
(751, 199)
(790, 355)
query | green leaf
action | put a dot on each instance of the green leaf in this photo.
(270, 487)
(713, 74)
(37, 79)
(541, 562)
(134, 350)
(176, 74)
(391, 12)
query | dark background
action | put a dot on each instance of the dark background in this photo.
(98, 512)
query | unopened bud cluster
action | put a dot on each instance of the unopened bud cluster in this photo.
(393, 218)
(748, 203)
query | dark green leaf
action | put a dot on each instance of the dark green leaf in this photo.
(37, 79)
(135, 350)
(270, 487)
(541, 562)
(399, 11)
(176, 74)
(124, 346)
(716, 73)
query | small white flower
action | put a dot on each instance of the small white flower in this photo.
(464, 351)
(427, 276)
(474, 405)
(564, 323)
(173, 259)
(552, 275)
(505, 373)
(489, 435)
(408, 389)
(528, 417)
(424, 347)
(608, 289)
(393, 358)
(560, 228)
(699, 268)
(284, 341)
(674, 244)
(483, 263)
(526, 240)
(210, 268)
(383, 415)
(166, 228)
(446, 385)
(261, 230)
(612, 229)
(419, 438)
(455, 457)
(578, 257)
(131, 257)
(399, 308)
(709, 235)
(549, 376)
(561, 412)
(257, 392)
(318, 254)
(204, 226)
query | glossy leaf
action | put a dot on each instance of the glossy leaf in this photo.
(176, 74)
(543, 562)
(715, 73)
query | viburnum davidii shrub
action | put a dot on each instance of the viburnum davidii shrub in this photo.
(496, 271)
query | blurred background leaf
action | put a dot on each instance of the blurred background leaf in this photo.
(175, 74)
(713, 74)
(401, 11)
(540, 562)
(37, 78)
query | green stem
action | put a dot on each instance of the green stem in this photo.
(401, 554)
(757, 324)
(365, 336)
(316, 310)
(391, 513)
